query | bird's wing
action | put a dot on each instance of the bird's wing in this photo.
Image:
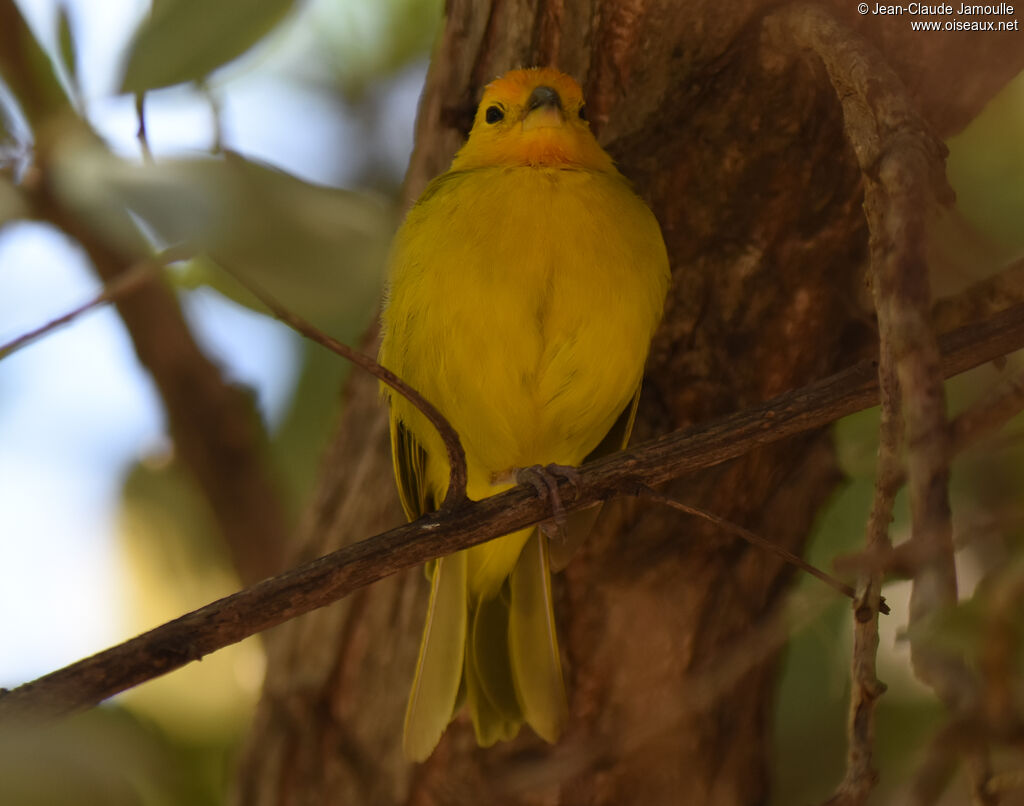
(410, 463)
(579, 524)
(618, 435)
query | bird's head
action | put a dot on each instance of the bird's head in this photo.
(532, 117)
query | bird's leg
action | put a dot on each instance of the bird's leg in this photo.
(544, 479)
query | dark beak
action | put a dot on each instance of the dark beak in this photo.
(543, 96)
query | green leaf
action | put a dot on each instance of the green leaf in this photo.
(81, 172)
(186, 40)
(986, 168)
(319, 251)
(27, 70)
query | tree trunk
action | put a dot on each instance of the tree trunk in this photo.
(669, 625)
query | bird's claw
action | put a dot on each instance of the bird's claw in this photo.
(544, 480)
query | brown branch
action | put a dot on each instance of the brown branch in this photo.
(140, 133)
(984, 417)
(860, 777)
(981, 299)
(987, 415)
(453, 445)
(131, 280)
(318, 583)
(902, 165)
(755, 540)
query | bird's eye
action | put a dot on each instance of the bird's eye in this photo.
(494, 114)
(583, 112)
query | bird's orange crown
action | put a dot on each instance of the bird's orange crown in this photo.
(532, 117)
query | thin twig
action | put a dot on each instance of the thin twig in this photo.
(131, 280)
(982, 298)
(989, 414)
(754, 539)
(216, 116)
(140, 133)
(866, 688)
(984, 417)
(456, 454)
(325, 580)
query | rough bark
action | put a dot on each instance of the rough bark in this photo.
(736, 139)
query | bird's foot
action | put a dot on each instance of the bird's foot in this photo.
(544, 480)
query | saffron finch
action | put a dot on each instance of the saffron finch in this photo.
(525, 285)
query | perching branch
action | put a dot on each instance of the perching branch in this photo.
(322, 581)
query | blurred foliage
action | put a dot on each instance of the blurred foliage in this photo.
(810, 753)
(110, 757)
(986, 168)
(318, 250)
(26, 71)
(177, 563)
(186, 40)
(68, 50)
(12, 206)
(363, 41)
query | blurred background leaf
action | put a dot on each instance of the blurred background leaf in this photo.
(986, 230)
(316, 130)
(986, 168)
(11, 205)
(319, 251)
(110, 757)
(66, 40)
(27, 69)
(186, 40)
(175, 562)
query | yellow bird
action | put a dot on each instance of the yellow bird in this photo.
(524, 288)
